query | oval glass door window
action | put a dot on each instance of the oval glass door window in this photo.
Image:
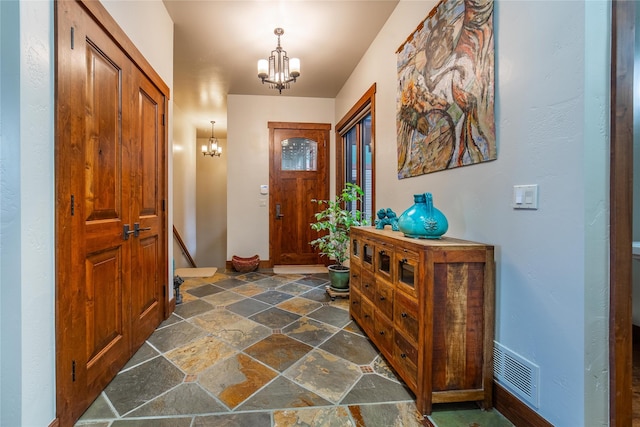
(299, 154)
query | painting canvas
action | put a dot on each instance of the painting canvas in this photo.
(445, 114)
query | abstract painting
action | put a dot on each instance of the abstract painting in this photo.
(445, 115)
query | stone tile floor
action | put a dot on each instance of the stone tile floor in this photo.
(260, 349)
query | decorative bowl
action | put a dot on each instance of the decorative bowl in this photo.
(245, 265)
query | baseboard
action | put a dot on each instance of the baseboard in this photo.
(515, 410)
(171, 307)
(55, 423)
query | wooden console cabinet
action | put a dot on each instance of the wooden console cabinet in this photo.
(428, 305)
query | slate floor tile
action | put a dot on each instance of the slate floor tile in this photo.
(192, 308)
(204, 290)
(176, 335)
(275, 318)
(247, 307)
(310, 331)
(235, 379)
(283, 393)
(186, 399)
(135, 387)
(325, 374)
(331, 315)
(246, 419)
(334, 416)
(352, 347)
(373, 388)
(278, 351)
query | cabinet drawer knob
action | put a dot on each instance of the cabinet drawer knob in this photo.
(366, 285)
(403, 355)
(403, 260)
(382, 252)
(381, 332)
(382, 298)
(354, 302)
(404, 315)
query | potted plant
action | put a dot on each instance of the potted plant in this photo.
(335, 221)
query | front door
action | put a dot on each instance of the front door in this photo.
(110, 221)
(298, 173)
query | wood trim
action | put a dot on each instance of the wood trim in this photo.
(55, 423)
(298, 125)
(183, 247)
(171, 307)
(120, 38)
(367, 99)
(515, 410)
(621, 213)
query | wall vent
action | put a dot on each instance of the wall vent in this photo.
(516, 373)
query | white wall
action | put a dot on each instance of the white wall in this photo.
(551, 122)
(248, 151)
(184, 185)
(27, 274)
(27, 355)
(211, 210)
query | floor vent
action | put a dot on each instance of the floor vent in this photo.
(516, 373)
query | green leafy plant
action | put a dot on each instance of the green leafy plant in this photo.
(335, 221)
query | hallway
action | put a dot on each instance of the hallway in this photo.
(261, 349)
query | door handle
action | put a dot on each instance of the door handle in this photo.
(278, 214)
(137, 229)
(126, 232)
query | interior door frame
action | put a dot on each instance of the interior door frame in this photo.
(621, 213)
(273, 127)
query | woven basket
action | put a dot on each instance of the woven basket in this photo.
(245, 265)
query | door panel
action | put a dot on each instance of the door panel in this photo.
(102, 282)
(294, 182)
(110, 173)
(148, 260)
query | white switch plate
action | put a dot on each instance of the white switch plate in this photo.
(525, 197)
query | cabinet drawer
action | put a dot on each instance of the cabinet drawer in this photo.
(366, 311)
(355, 304)
(405, 316)
(407, 357)
(356, 251)
(368, 252)
(355, 277)
(384, 298)
(383, 260)
(368, 285)
(383, 334)
(407, 272)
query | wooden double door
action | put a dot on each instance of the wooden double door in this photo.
(111, 262)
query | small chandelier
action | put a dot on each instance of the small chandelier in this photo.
(212, 148)
(278, 71)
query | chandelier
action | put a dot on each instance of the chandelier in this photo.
(278, 71)
(212, 148)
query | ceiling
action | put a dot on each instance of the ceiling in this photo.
(217, 45)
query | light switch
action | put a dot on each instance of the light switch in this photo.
(525, 196)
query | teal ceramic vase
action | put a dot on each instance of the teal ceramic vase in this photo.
(339, 277)
(423, 220)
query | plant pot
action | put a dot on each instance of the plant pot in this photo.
(339, 277)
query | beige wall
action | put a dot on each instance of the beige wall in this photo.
(552, 92)
(248, 157)
(211, 209)
(184, 186)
